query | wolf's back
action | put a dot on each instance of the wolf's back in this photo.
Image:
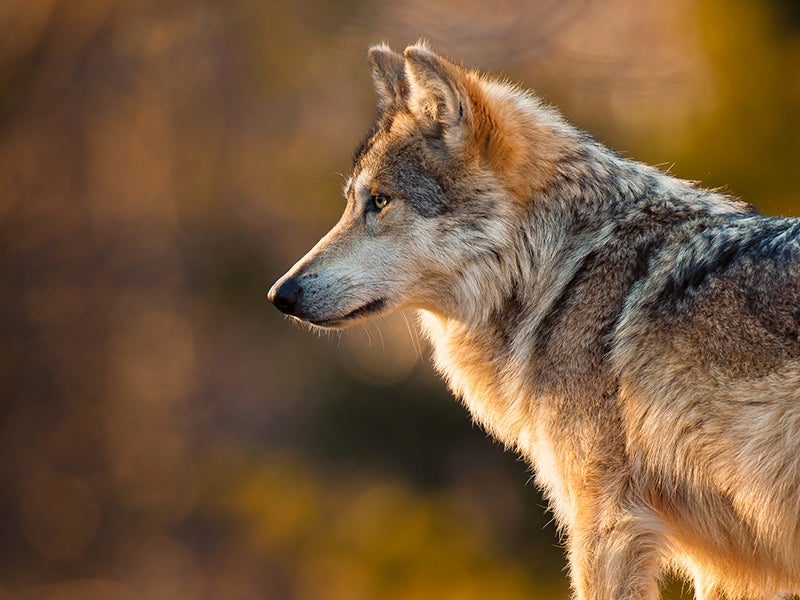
(724, 291)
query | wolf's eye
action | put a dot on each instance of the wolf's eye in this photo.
(377, 202)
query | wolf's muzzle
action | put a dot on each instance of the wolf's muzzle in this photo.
(285, 295)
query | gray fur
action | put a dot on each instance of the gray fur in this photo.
(635, 337)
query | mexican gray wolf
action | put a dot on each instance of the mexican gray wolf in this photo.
(634, 336)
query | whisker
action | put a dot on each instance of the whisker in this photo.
(414, 334)
(380, 334)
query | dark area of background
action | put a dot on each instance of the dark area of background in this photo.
(164, 432)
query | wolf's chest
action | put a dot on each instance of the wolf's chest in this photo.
(499, 395)
(482, 378)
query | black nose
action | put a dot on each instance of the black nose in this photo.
(286, 295)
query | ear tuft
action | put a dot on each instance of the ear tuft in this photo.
(388, 74)
(435, 94)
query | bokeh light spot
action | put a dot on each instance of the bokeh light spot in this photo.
(59, 516)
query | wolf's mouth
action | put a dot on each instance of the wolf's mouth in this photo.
(369, 308)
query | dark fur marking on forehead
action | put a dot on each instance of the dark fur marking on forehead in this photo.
(402, 169)
(365, 144)
(383, 122)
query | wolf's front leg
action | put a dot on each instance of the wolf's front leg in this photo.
(615, 559)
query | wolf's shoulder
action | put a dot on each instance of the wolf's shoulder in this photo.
(724, 291)
(735, 250)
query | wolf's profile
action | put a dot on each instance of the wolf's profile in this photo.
(637, 338)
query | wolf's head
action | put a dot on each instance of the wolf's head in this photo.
(435, 189)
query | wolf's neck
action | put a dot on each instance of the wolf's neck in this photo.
(535, 253)
(486, 359)
(520, 333)
(484, 351)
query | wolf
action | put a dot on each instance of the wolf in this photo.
(634, 336)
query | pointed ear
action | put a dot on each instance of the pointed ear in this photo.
(435, 95)
(388, 73)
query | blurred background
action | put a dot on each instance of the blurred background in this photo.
(164, 432)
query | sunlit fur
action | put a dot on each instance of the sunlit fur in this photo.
(635, 337)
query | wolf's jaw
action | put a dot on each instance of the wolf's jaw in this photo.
(367, 309)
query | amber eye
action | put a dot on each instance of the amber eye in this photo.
(378, 202)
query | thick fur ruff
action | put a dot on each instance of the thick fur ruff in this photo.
(635, 337)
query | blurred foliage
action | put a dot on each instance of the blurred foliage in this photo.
(164, 433)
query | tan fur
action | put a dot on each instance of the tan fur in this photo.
(511, 139)
(496, 137)
(635, 337)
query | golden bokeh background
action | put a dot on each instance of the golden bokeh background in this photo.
(164, 432)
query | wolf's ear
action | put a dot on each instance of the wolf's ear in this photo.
(388, 73)
(435, 96)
